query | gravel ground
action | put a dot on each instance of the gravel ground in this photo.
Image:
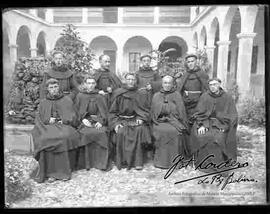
(120, 188)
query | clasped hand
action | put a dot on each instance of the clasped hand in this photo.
(87, 123)
(53, 120)
(202, 130)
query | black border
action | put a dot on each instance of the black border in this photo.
(61, 3)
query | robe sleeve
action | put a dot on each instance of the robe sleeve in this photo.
(43, 86)
(203, 112)
(114, 109)
(156, 84)
(73, 87)
(102, 110)
(156, 107)
(69, 116)
(181, 116)
(142, 112)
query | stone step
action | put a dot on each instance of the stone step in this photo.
(18, 138)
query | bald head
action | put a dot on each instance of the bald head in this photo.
(105, 62)
(167, 82)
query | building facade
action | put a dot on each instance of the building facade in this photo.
(233, 37)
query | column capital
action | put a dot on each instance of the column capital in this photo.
(246, 35)
(210, 47)
(219, 43)
(33, 49)
(12, 46)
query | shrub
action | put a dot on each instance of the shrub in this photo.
(252, 112)
(17, 187)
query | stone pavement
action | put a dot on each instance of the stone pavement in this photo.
(120, 188)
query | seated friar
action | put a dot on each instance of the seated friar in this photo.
(128, 121)
(213, 135)
(92, 114)
(54, 135)
(169, 124)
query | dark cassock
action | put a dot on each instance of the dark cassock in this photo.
(55, 144)
(94, 143)
(67, 81)
(169, 127)
(130, 139)
(146, 75)
(105, 78)
(218, 114)
(191, 85)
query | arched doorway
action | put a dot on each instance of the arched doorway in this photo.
(195, 42)
(104, 45)
(23, 42)
(41, 44)
(203, 38)
(7, 67)
(134, 48)
(213, 39)
(258, 57)
(233, 48)
(174, 42)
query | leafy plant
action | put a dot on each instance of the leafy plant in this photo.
(252, 112)
(17, 187)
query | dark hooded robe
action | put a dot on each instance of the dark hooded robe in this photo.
(191, 86)
(105, 79)
(131, 138)
(55, 144)
(67, 81)
(169, 127)
(218, 114)
(94, 143)
(145, 76)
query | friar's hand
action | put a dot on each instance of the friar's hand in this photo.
(101, 92)
(109, 89)
(148, 87)
(202, 130)
(98, 125)
(52, 120)
(86, 122)
(117, 127)
(139, 121)
(60, 122)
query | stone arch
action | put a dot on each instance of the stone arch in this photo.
(235, 29)
(23, 42)
(174, 42)
(226, 25)
(41, 44)
(248, 14)
(212, 32)
(104, 45)
(195, 41)
(133, 49)
(203, 37)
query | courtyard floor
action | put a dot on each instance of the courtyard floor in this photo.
(122, 188)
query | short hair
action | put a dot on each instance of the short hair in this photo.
(214, 79)
(88, 76)
(102, 55)
(191, 55)
(51, 81)
(144, 56)
(168, 76)
(58, 52)
(130, 73)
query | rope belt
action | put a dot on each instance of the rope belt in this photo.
(127, 117)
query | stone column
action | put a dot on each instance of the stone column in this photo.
(119, 60)
(13, 54)
(244, 62)
(33, 52)
(49, 15)
(210, 50)
(156, 15)
(85, 15)
(120, 15)
(222, 69)
(33, 12)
